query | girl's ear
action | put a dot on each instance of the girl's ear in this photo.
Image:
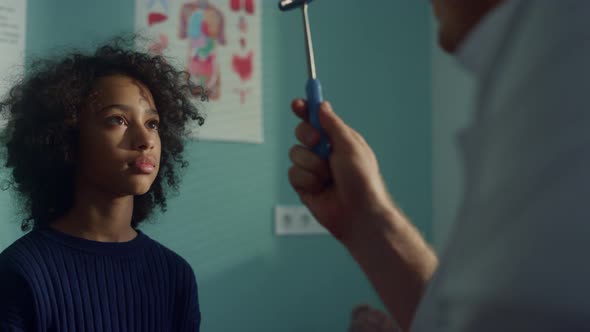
(70, 146)
(71, 116)
(71, 121)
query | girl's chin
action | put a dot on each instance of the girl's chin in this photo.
(138, 188)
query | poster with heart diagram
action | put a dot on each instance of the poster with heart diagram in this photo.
(218, 43)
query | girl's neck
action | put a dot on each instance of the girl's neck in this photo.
(98, 217)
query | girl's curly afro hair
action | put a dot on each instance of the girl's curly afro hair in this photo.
(41, 136)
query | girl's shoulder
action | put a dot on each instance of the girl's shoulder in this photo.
(22, 254)
(171, 256)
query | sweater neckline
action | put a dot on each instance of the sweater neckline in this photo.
(104, 248)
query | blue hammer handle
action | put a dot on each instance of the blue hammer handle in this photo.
(314, 99)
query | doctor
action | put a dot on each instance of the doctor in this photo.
(517, 258)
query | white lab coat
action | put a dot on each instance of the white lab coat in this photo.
(517, 258)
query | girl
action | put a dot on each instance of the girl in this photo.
(94, 144)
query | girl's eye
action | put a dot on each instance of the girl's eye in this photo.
(116, 120)
(154, 124)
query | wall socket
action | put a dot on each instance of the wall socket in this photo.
(296, 220)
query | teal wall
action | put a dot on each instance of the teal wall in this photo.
(373, 58)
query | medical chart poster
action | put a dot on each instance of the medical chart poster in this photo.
(12, 42)
(218, 43)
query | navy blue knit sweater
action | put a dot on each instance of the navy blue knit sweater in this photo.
(50, 281)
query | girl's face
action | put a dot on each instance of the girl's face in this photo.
(119, 147)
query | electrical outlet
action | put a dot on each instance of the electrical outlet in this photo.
(296, 220)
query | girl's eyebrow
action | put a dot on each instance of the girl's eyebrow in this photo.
(125, 108)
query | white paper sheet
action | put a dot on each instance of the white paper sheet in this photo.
(12, 42)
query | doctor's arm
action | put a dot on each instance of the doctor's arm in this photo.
(348, 196)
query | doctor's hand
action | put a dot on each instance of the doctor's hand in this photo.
(345, 191)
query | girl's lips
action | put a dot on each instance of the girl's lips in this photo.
(144, 164)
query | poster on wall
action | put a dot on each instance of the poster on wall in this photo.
(218, 43)
(12, 42)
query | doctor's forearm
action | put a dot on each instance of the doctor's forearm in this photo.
(397, 260)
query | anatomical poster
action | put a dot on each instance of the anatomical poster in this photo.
(218, 43)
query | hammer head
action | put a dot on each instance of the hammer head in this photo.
(285, 5)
